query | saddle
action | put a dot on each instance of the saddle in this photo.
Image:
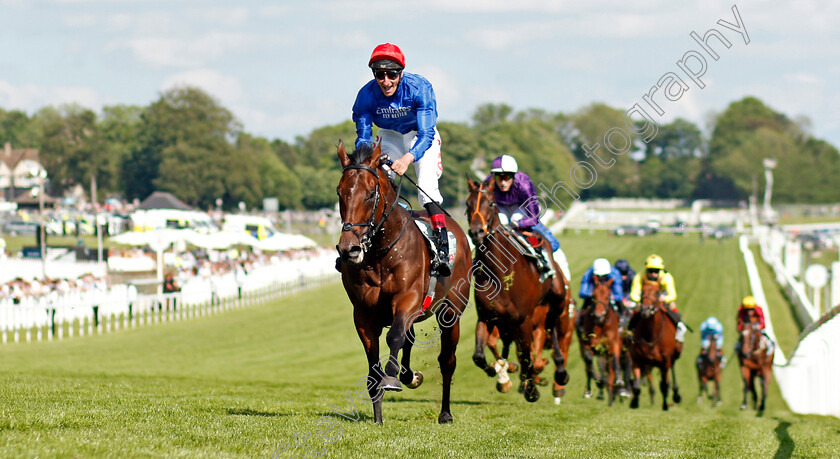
(530, 244)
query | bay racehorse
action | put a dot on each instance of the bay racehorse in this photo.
(708, 370)
(756, 360)
(599, 338)
(386, 272)
(510, 295)
(654, 344)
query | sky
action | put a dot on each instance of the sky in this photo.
(286, 68)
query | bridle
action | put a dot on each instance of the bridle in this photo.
(653, 306)
(481, 191)
(365, 240)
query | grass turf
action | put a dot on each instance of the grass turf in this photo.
(267, 380)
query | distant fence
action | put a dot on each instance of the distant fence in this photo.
(28, 268)
(59, 316)
(809, 379)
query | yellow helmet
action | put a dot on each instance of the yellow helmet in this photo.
(748, 302)
(654, 262)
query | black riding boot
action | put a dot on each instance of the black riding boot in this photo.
(442, 243)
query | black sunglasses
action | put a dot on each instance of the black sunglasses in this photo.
(504, 176)
(391, 74)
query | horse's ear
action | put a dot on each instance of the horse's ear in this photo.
(373, 159)
(342, 154)
(471, 183)
(491, 186)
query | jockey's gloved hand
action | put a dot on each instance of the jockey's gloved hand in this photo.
(385, 160)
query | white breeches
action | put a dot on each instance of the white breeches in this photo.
(429, 168)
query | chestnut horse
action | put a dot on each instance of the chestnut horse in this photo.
(385, 270)
(598, 335)
(654, 344)
(509, 294)
(708, 369)
(756, 360)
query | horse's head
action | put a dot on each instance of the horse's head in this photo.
(601, 297)
(650, 299)
(481, 210)
(750, 338)
(360, 200)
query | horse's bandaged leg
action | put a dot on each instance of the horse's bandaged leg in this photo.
(501, 367)
(680, 336)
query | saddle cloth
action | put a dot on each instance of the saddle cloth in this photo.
(426, 229)
(530, 245)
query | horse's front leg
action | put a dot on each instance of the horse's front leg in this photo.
(396, 339)
(765, 378)
(664, 385)
(481, 341)
(745, 376)
(587, 355)
(412, 379)
(524, 335)
(676, 387)
(369, 335)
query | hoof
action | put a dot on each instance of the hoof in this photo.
(587, 394)
(561, 377)
(415, 381)
(718, 403)
(390, 383)
(512, 367)
(445, 418)
(634, 404)
(600, 395)
(743, 407)
(677, 397)
(559, 392)
(504, 387)
(699, 400)
(624, 393)
(556, 400)
(532, 394)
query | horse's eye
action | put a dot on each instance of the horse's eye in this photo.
(370, 197)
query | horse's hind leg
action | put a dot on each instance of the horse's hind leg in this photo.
(561, 377)
(603, 376)
(745, 377)
(764, 379)
(450, 326)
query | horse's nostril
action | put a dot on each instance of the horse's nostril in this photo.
(355, 250)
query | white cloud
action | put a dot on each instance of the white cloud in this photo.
(228, 17)
(79, 20)
(185, 52)
(447, 92)
(498, 39)
(30, 97)
(225, 88)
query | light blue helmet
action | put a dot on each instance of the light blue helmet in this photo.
(713, 322)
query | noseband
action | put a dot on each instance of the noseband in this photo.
(365, 239)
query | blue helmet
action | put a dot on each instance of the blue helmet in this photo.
(623, 266)
(713, 321)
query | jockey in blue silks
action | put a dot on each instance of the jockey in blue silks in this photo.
(403, 106)
(516, 199)
(712, 329)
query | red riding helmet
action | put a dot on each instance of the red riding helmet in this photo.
(387, 52)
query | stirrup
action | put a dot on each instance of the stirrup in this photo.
(440, 262)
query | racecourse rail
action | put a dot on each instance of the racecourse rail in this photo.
(809, 379)
(80, 313)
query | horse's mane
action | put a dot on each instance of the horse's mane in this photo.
(361, 154)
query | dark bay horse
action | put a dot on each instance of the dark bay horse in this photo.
(756, 360)
(509, 294)
(708, 369)
(598, 336)
(385, 270)
(654, 344)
